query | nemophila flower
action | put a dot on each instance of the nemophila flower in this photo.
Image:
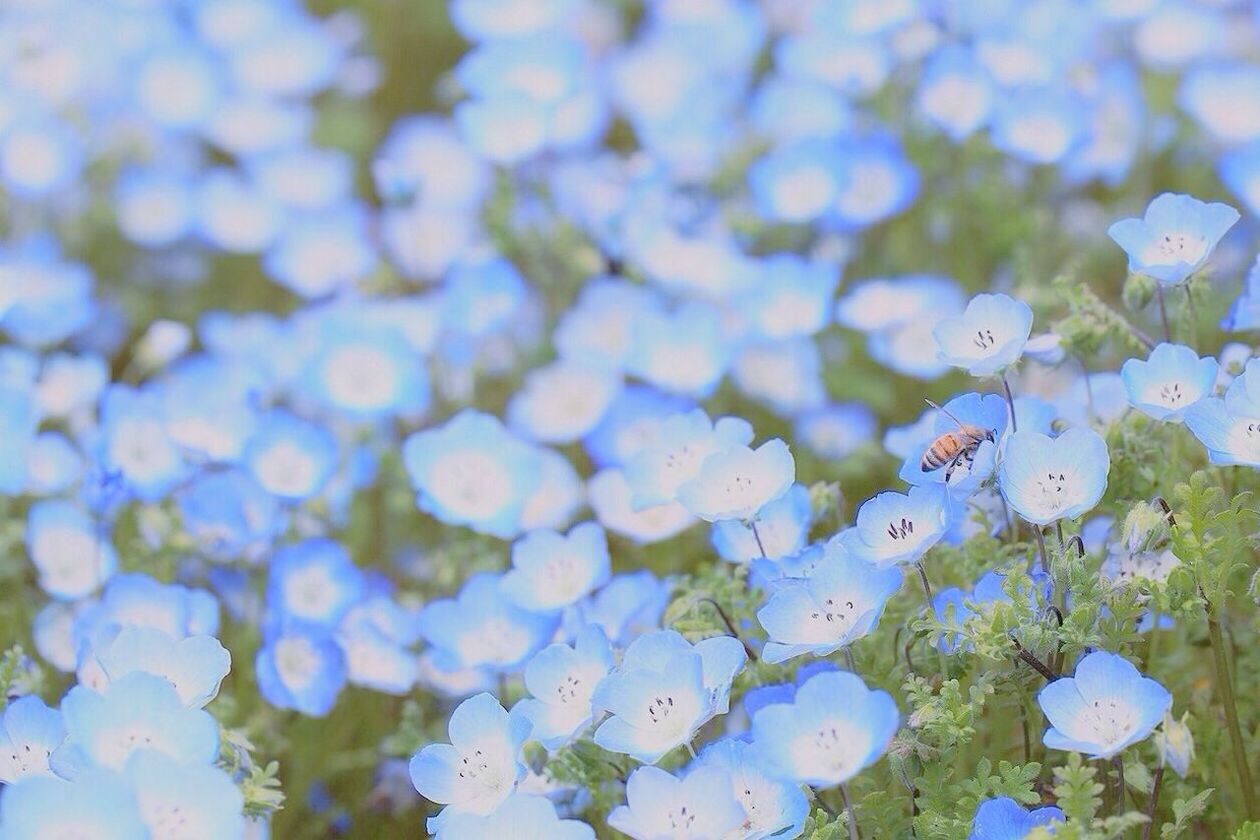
(233, 214)
(630, 424)
(313, 581)
(556, 498)
(562, 401)
(1047, 479)
(29, 733)
(423, 155)
(685, 352)
(1239, 170)
(482, 627)
(782, 526)
(39, 156)
(290, 457)
(1002, 818)
(551, 571)
(627, 606)
(99, 805)
(302, 668)
(1103, 708)
(836, 605)
(796, 182)
(835, 431)
(375, 636)
(612, 499)
(137, 600)
(833, 729)
(773, 806)
(1244, 312)
(955, 92)
(897, 527)
(175, 797)
(1174, 238)
(479, 769)
(562, 680)
(51, 299)
(135, 442)
(701, 804)
(137, 712)
(524, 816)
(785, 109)
(71, 552)
(968, 468)
(1040, 125)
(738, 482)
(1172, 379)
(877, 181)
(953, 606)
(1093, 398)
(792, 297)
(1221, 97)
(1230, 438)
(228, 514)
(1175, 744)
(70, 383)
(664, 690)
(1243, 394)
(195, 666)
(677, 452)
(367, 374)
(989, 336)
(599, 327)
(472, 471)
(19, 419)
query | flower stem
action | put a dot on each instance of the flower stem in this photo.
(757, 536)
(1041, 549)
(1152, 803)
(1231, 711)
(848, 810)
(1010, 403)
(1118, 763)
(927, 597)
(1163, 312)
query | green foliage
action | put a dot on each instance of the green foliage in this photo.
(260, 784)
(1184, 813)
(1091, 325)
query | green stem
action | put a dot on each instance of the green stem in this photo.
(927, 597)
(1152, 803)
(1231, 711)
(848, 810)
(1118, 762)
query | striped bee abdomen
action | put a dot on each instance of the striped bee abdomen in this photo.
(942, 450)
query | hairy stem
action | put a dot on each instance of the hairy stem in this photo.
(1010, 403)
(848, 809)
(1226, 688)
(1152, 802)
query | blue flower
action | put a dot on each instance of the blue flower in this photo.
(71, 552)
(1002, 818)
(1240, 171)
(313, 581)
(684, 352)
(173, 796)
(1244, 312)
(955, 92)
(1103, 708)
(989, 336)
(99, 802)
(194, 666)
(29, 733)
(839, 603)
(1041, 125)
(228, 515)
(1171, 380)
(702, 804)
(301, 667)
(877, 181)
(630, 424)
(792, 298)
(479, 769)
(1174, 238)
(738, 482)
(550, 571)
(953, 606)
(677, 451)
(964, 476)
(522, 816)
(1230, 427)
(137, 712)
(611, 498)
(629, 604)
(562, 680)
(664, 690)
(797, 182)
(482, 627)
(835, 431)
(19, 419)
(473, 472)
(773, 806)
(366, 373)
(135, 442)
(290, 457)
(782, 526)
(1047, 479)
(897, 527)
(833, 729)
(562, 401)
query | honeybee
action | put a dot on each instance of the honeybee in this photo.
(954, 448)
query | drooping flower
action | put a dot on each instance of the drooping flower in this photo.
(1174, 238)
(1103, 708)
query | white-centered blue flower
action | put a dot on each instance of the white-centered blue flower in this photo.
(1002, 818)
(664, 690)
(562, 680)
(1103, 708)
(738, 482)
(839, 603)
(833, 729)
(773, 805)
(1046, 479)
(551, 571)
(1175, 236)
(29, 732)
(195, 666)
(987, 337)
(677, 451)
(480, 767)
(897, 527)
(659, 805)
(1172, 379)
(522, 816)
